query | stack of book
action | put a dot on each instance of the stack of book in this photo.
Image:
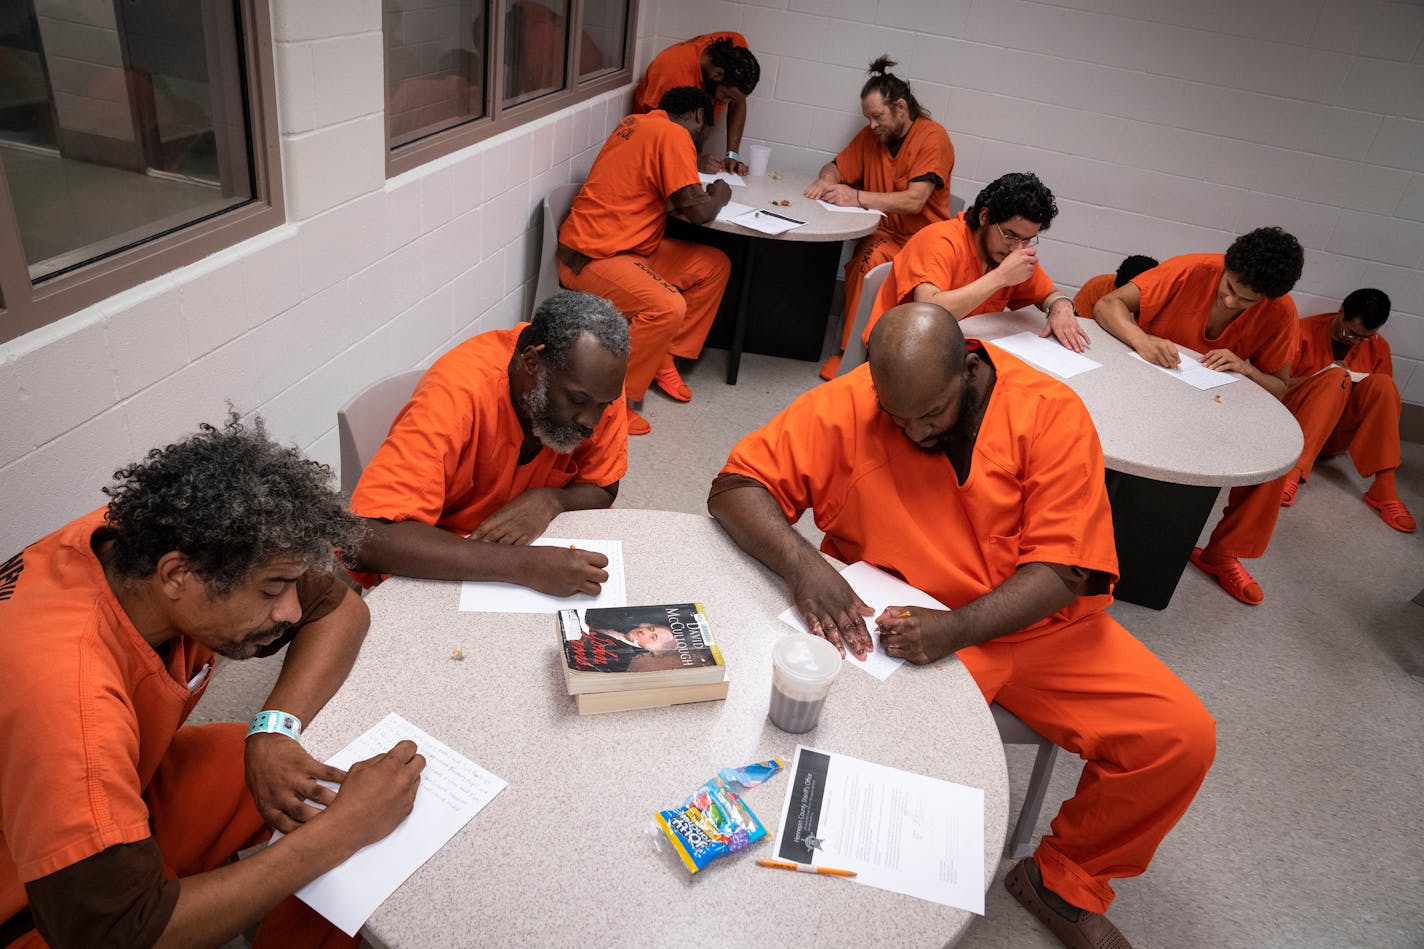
(640, 657)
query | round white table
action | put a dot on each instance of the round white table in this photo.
(560, 857)
(821, 226)
(1169, 449)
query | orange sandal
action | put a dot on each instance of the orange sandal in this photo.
(670, 381)
(1394, 513)
(1233, 578)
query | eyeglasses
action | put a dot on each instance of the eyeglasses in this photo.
(1350, 336)
(1015, 240)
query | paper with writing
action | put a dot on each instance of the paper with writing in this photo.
(733, 209)
(1046, 353)
(494, 596)
(767, 222)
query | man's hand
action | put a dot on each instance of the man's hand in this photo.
(817, 189)
(830, 607)
(916, 634)
(733, 166)
(1064, 326)
(564, 571)
(720, 192)
(1159, 351)
(710, 165)
(1018, 266)
(521, 520)
(282, 777)
(843, 196)
(378, 793)
(1224, 360)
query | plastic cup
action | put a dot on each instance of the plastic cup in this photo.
(802, 670)
(758, 157)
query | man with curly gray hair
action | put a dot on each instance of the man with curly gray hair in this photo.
(504, 433)
(117, 823)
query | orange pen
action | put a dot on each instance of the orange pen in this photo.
(787, 865)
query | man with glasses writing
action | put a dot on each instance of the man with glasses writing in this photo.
(985, 260)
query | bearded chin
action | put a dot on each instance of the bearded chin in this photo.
(561, 438)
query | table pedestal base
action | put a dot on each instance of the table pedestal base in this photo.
(1156, 524)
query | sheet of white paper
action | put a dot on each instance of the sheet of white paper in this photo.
(839, 210)
(768, 222)
(1355, 376)
(492, 596)
(732, 209)
(453, 789)
(1193, 373)
(878, 590)
(736, 181)
(1047, 354)
(897, 830)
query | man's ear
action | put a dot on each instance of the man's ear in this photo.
(716, 74)
(175, 574)
(529, 359)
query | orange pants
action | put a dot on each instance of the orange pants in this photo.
(1338, 415)
(670, 298)
(1249, 520)
(202, 814)
(871, 251)
(1092, 688)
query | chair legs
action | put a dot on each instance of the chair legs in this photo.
(1013, 731)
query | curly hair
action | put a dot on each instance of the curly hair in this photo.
(1131, 267)
(1368, 305)
(685, 100)
(740, 68)
(229, 500)
(564, 317)
(1017, 194)
(1268, 260)
(891, 87)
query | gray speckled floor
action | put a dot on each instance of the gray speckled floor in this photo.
(1309, 831)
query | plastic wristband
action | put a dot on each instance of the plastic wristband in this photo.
(734, 156)
(280, 723)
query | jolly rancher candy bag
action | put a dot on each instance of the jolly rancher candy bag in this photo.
(714, 820)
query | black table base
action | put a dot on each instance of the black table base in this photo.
(1156, 524)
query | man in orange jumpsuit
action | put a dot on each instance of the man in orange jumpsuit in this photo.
(985, 260)
(504, 433)
(1104, 283)
(612, 243)
(1342, 393)
(721, 65)
(1234, 309)
(979, 480)
(117, 823)
(900, 163)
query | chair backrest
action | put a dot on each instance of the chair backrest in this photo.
(869, 290)
(363, 422)
(956, 204)
(556, 207)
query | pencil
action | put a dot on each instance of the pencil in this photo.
(787, 865)
(904, 614)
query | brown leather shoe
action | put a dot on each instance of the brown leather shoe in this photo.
(1088, 931)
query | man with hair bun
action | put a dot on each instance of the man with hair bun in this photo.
(504, 433)
(1235, 309)
(613, 243)
(721, 65)
(118, 823)
(1338, 412)
(900, 164)
(985, 260)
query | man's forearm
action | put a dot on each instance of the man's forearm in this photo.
(830, 173)
(736, 123)
(892, 202)
(753, 519)
(586, 497)
(1273, 384)
(1117, 319)
(413, 549)
(1031, 593)
(961, 301)
(319, 659)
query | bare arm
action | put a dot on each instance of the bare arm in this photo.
(1028, 595)
(523, 519)
(1117, 313)
(1224, 360)
(910, 201)
(1063, 321)
(736, 122)
(698, 204)
(752, 518)
(1017, 267)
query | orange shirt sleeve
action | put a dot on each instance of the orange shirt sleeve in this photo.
(1273, 340)
(931, 256)
(931, 154)
(1158, 286)
(1032, 290)
(853, 159)
(1091, 292)
(673, 160)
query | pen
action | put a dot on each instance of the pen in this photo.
(804, 868)
(783, 217)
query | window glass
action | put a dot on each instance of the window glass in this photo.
(535, 37)
(601, 46)
(119, 122)
(435, 65)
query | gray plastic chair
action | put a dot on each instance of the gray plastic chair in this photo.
(363, 422)
(556, 208)
(869, 288)
(1013, 731)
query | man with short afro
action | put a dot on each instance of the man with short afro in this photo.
(721, 65)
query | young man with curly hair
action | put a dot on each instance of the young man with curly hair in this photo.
(985, 260)
(721, 65)
(117, 822)
(1234, 308)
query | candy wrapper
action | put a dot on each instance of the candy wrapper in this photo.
(714, 820)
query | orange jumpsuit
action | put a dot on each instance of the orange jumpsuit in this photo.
(669, 289)
(679, 65)
(1336, 414)
(1034, 493)
(925, 154)
(452, 456)
(1091, 292)
(1177, 296)
(95, 751)
(944, 255)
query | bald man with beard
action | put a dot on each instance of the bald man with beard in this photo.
(978, 479)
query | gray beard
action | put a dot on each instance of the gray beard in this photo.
(563, 438)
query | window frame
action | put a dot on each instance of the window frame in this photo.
(499, 118)
(26, 305)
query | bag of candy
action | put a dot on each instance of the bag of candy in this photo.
(714, 820)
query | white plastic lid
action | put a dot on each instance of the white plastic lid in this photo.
(806, 658)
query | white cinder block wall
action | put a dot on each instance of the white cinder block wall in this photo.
(1163, 127)
(368, 277)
